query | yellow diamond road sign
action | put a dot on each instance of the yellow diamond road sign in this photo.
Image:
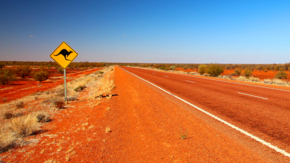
(63, 55)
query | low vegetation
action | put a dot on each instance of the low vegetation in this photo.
(214, 70)
(281, 75)
(247, 72)
(202, 69)
(41, 75)
(183, 135)
(7, 76)
(25, 126)
(23, 71)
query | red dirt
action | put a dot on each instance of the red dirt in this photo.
(145, 127)
(27, 86)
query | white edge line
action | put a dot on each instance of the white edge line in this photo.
(222, 81)
(189, 81)
(221, 120)
(253, 96)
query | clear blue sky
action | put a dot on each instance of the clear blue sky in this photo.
(193, 31)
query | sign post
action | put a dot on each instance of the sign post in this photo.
(64, 55)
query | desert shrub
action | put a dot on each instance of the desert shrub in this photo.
(49, 66)
(247, 72)
(162, 67)
(202, 69)
(2, 65)
(23, 71)
(60, 70)
(225, 77)
(268, 81)
(41, 75)
(59, 103)
(20, 105)
(253, 79)
(281, 75)
(71, 98)
(25, 126)
(194, 73)
(241, 78)
(101, 72)
(42, 117)
(80, 88)
(289, 68)
(172, 67)
(185, 67)
(8, 115)
(237, 72)
(7, 76)
(215, 70)
(279, 82)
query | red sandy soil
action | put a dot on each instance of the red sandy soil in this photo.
(24, 87)
(145, 127)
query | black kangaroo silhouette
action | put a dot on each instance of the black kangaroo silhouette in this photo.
(65, 53)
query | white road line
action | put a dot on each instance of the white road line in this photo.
(189, 81)
(253, 96)
(221, 120)
(226, 81)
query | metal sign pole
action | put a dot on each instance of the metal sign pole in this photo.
(64, 76)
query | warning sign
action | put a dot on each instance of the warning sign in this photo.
(63, 55)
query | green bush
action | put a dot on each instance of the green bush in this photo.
(23, 71)
(202, 69)
(237, 72)
(247, 72)
(215, 70)
(41, 75)
(7, 76)
(172, 67)
(281, 75)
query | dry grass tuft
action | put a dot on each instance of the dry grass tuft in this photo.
(42, 116)
(20, 105)
(7, 139)
(108, 129)
(8, 115)
(25, 126)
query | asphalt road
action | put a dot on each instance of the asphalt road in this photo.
(263, 112)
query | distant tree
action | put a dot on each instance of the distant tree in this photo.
(7, 76)
(237, 72)
(247, 72)
(23, 71)
(215, 70)
(281, 75)
(41, 75)
(202, 69)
